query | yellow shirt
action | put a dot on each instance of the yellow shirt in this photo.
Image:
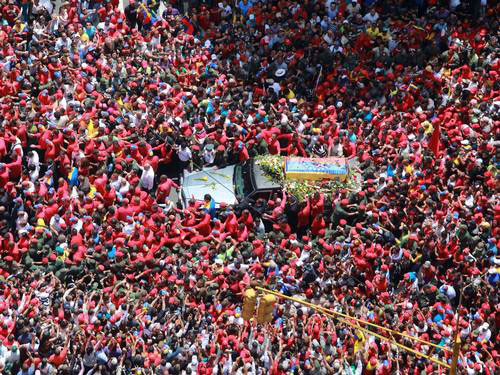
(428, 127)
(19, 27)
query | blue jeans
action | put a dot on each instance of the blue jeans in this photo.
(25, 11)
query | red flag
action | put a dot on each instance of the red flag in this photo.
(435, 142)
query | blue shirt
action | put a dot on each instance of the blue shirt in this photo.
(245, 7)
(90, 31)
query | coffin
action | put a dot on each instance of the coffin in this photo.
(312, 169)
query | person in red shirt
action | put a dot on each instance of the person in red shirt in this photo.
(427, 272)
(317, 204)
(318, 225)
(164, 188)
(4, 175)
(274, 145)
(15, 167)
(59, 356)
(304, 217)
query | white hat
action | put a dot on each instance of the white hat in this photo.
(484, 327)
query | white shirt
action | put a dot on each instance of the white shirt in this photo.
(372, 18)
(56, 224)
(13, 357)
(47, 5)
(209, 157)
(276, 87)
(225, 10)
(450, 291)
(147, 178)
(185, 154)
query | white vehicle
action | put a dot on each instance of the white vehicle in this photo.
(245, 180)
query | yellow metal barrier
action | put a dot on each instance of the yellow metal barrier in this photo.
(357, 320)
(335, 314)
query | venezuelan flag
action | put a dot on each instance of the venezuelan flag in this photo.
(73, 177)
(148, 17)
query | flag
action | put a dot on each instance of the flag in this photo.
(434, 143)
(188, 26)
(360, 341)
(413, 88)
(147, 16)
(73, 177)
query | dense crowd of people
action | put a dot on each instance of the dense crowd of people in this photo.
(101, 111)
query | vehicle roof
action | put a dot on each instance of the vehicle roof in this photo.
(216, 182)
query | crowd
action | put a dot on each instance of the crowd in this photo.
(101, 111)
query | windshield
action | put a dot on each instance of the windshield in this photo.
(242, 180)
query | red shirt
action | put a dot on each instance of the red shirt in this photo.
(15, 168)
(58, 360)
(318, 206)
(304, 214)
